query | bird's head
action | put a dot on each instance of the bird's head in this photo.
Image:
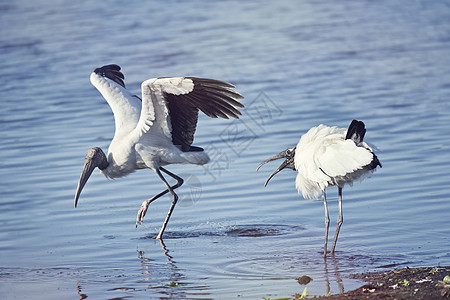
(288, 154)
(94, 158)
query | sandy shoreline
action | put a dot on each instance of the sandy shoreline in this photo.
(406, 283)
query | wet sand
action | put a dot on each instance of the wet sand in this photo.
(407, 283)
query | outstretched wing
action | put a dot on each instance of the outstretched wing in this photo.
(126, 107)
(175, 103)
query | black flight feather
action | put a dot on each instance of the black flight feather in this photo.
(112, 72)
(213, 97)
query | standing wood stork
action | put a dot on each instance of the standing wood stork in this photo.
(158, 129)
(327, 156)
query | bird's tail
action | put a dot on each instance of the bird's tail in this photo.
(195, 157)
(356, 131)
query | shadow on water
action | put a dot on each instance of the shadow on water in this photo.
(80, 293)
(163, 271)
(262, 267)
(332, 274)
(262, 230)
(335, 273)
(176, 285)
(252, 230)
(157, 275)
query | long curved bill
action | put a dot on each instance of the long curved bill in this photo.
(281, 167)
(88, 168)
(287, 163)
(282, 154)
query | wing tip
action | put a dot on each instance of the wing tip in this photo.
(111, 71)
(208, 81)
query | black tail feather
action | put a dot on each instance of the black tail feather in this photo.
(356, 131)
(375, 162)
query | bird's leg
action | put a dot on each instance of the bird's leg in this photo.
(174, 199)
(327, 224)
(143, 210)
(340, 220)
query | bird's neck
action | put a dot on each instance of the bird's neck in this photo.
(103, 165)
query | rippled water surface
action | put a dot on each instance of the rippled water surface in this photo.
(299, 64)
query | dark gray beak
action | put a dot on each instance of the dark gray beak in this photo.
(94, 158)
(288, 154)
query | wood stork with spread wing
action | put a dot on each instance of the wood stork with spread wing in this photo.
(327, 156)
(158, 129)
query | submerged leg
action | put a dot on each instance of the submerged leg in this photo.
(142, 211)
(327, 224)
(340, 220)
(174, 197)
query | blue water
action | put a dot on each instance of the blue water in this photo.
(299, 64)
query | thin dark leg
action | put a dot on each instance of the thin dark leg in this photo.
(174, 199)
(327, 277)
(340, 220)
(142, 211)
(327, 224)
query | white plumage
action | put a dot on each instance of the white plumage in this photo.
(158, 129)
(324, 157)
(327, 156)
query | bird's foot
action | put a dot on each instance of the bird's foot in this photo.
(142, 211)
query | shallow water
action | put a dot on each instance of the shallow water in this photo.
(298, 64)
